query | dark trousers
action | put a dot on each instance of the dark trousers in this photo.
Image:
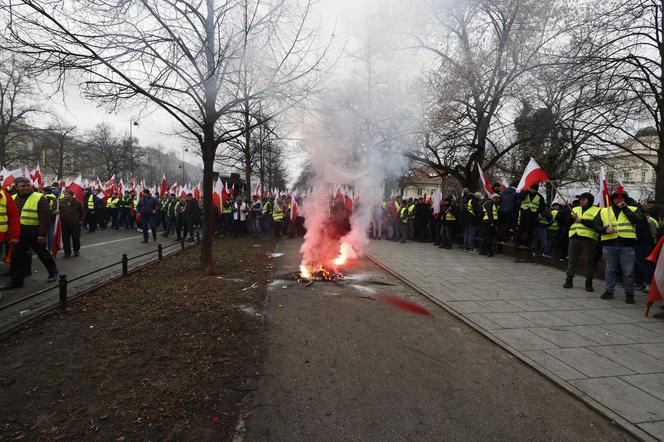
(188, 228)
(178, 227)
(123, 217)
(447, 231)
(581, 250)
(113, 215)
(149, 221)
(487, 239)
(71, 233)
(644, 269)
(507, 221)
(20, 262)
(171, 225)
(91, 221)
(102, 220)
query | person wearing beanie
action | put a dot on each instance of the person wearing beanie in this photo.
(583, 237)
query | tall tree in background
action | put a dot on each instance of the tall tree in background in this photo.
(486, 50)
(624, 40)
(16, 103)
(182, 56)
(59, 139)
(106, 152)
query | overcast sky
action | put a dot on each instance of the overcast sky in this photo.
(349, 18)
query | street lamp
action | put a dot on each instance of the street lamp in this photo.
(182, 165)
(132, 122)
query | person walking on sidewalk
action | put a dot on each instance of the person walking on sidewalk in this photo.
(617, 224)
(148, 208)
(71, 217)
(35, 218)
(583, 237)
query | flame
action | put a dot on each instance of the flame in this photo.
(341, 260)
(305, 272)
(345, 252)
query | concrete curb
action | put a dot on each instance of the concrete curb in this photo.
(564, 385)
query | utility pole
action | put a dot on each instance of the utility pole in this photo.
(132, 122)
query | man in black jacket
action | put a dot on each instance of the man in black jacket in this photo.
(35, 214)
(191, 213)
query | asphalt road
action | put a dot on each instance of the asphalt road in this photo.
(98, 250)
(343, 366)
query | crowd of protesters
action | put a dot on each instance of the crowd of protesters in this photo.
(578, 233)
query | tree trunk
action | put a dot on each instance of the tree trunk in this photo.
(208, 150)
(3, 149)
(659, 170)
(61, 161)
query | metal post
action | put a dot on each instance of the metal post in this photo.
(160, 252)
(62, 285)
(125, 265)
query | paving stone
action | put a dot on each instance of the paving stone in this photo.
(650, 383)
(612, 317)
(555, 366)
(467, 306)
(482, 321)
(589, 363)
(578, 317)
(630, 357)
(600, 335)
(530, 305)
(623, 398)
(562, 337)
(523, 339)
(544, 319)
(654, 428)
(500, 307)
(509, 320)
(656, 350)
(635, 332)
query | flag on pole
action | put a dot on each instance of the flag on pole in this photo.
(8, 176)
(485, 183)
(76, 187)
(224, 194)
(37, 178)
(57, 233)
(163, 187)
(655, 294)
(533, 174)
(603, 196)
(197, 192)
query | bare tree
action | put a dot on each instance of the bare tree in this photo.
(624, 41)
(59, 139)
(486, 49)
(182, 56)
(16, 103)
(106, 152)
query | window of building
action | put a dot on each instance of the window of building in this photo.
(654, 176)
(643, 176)
(626, 176)
(611, 177)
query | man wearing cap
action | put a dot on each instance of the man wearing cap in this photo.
(583, 237)
(617, 225)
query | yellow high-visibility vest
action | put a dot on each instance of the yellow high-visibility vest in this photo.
(579, 229)
(532, 205)
(554, 226)
(112, 203)
(30, 212)
(494, 211)
(277, 213)
(623, 228)
(91, 202)
(4, 218)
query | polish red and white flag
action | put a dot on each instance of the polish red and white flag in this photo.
(57, 234)
(197, 192)
(216, 193)
(485, 183)
(224, 194)
(37, 178)
(533, 174)
(602, 198)
(163, 187)
(657, 285)
(8, 176)
(77, 187)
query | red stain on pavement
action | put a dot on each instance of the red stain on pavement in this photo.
(403, 304)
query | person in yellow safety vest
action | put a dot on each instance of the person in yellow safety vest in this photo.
(90, 204)
(277, 217)
(617, 227)
(448, 221)
(35, 219)
(396, 219)
(471, 218)
(112, 205)
(583, 237)
(411, 218)
(553, 231)
(489, 223)
(403, 218)
(532, 208)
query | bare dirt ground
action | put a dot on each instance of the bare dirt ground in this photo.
(167, 353)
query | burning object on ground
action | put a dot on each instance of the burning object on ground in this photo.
(319, 273)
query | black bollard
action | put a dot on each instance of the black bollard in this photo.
(62, 285)
(125, 265)
(160, 252)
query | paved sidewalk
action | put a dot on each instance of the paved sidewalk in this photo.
(606, 352)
